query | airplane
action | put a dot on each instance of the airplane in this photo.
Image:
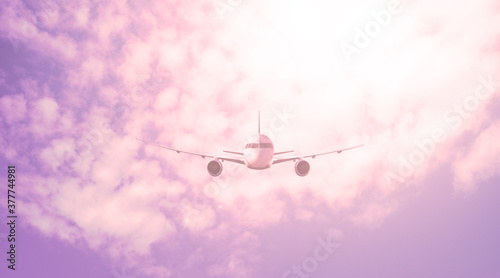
(257, 155)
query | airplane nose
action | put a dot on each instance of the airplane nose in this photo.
(253, 157)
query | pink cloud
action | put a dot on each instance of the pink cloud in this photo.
(478, 163)
(13, 108)
(179, 76)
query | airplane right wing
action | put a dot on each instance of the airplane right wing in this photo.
(280, 160)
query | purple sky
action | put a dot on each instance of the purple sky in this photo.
(417, 82)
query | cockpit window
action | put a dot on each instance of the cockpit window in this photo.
(257, 145)
(266, 145)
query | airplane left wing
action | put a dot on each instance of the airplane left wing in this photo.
(276, 161)
(238, 153)
(235, 160)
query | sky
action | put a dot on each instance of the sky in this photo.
(417, 82)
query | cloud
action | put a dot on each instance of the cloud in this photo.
(242, 257)
(44, 114)
(373, 215)
(478, 163)
(175, 73)
(13, 108)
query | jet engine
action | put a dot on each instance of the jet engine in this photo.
(302, 167)
(214, 167)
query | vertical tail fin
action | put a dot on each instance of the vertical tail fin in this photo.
(259, 122)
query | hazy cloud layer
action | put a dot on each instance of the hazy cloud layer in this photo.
(87, 77)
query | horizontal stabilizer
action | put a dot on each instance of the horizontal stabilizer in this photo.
(283, 152)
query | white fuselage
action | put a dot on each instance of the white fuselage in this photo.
(259, 155)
